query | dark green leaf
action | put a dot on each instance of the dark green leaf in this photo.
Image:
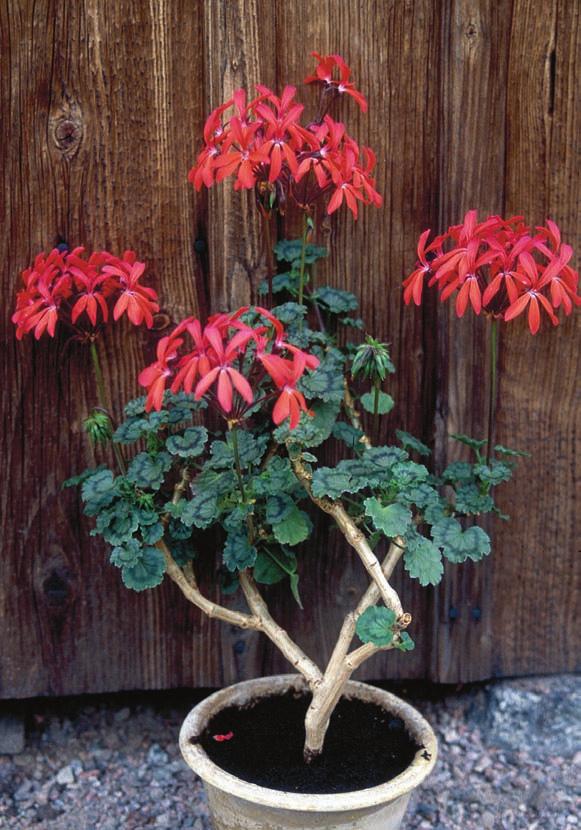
(471, 501)
(458, 472)
(311, 430)
(375, 626)
(493, 473)
(325, 382)
(75, 481)
(276, 477)
(281, 282)
(148, 471)
(289, 250)
(385, 403)
(506, 451)
(190, 444)
(384, 457)
(330, 482)
(278, 508)
(458, 545)
(348, 434)
(289, 313)
(146, 572)
(404, 642)
(294, 528)
(239, 553)
(391, 519)
(473, 443)
(423, 561)
(353, 322)
(126, 554)
(98, 491)
(336, 300)
(251, 448)
(410, 443)
(130, 431)
(201, 510)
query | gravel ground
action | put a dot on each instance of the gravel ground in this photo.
(510, 758)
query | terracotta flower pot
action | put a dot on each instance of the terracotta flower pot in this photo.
(238, 805)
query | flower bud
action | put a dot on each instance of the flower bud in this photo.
(98, 427)
(372, 361)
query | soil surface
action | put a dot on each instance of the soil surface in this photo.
(510, 759)
(365, 745)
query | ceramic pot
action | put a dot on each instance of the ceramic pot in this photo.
(238, 805)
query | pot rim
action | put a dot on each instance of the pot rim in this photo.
(241, 693)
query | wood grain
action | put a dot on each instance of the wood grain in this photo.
(472, 104)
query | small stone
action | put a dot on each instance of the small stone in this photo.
(65, 775)
(157, 755)
(24, 791)
(577, 759)
(487, 821)
(12, 739)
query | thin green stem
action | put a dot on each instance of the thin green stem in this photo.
(493, 385)
(102, 397)
(303, 255)
(269, 258)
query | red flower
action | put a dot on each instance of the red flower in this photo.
(228, 379)
(327, 64)
(78, 292)
(155, 376)
(290, 402)
(498, 266)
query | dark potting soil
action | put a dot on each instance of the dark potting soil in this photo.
(263, 744)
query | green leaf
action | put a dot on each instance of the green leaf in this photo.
(75, 481)
(289, 250)
(98, 491)
(385, 403)
(251, 448)
(375, 626)
(493, 473)
(471, 501)
(354, 322)
(130, 431)
(336, 300)
(182, 550)
(404, 642)
(148, 471)
(458, 472)
(281, 282)
(135, 407)
(506, 451)
(385, 457)
(238, 553)
(458, 545)
(201, 510)
(311, 430)
(266, 570)
(178, 530)
(289, 313)
(126, 554)
(325, 382)
(406, 473)
(392, 519)
(422, 495)
(146, 572)
(330, 482)
(151, 533)
(423, 561)
(410, 443)
(348, 434)
(118, 523)
(190, 444)
(276, 477)
(473, 443)
(278, 508)
(294, 528)
(215, 482)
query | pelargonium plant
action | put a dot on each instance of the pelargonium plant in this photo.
(283, 379)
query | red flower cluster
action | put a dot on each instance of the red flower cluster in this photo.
(499, 266)
(80, 293)
(264, 145)
(230, 359)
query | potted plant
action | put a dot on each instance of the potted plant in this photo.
(226, 452)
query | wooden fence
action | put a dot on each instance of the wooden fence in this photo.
(473, 103)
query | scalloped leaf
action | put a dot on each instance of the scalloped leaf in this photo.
(471, 501)
(76, 481)
(493, 473)
(147, 470)
(289, 313)
(289, 250)
(350, 435)
(276, 477)
(385, 403)
(238, 553)
(330, 482)
(312, 430)
(423, 561)
(391, 519)
(98, 491)
(409, 442)
(145, 573)
(335, 300)
(201, 510)
(190, 444)
(294, 528)
(458, 545)
(458, 472)
(325, 382)
(375, 626)
(506, 451)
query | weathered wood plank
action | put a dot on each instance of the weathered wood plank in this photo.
(103, 108)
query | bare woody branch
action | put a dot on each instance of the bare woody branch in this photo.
(354, 536)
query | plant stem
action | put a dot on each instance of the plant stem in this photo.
(493, 385)
(269, 257)
(102, 397)
(376, 410)
(302, 266)
(237, 464)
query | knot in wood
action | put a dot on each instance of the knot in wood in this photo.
(471, 31)
(68, 134)
(404, 621)
(161, 321)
